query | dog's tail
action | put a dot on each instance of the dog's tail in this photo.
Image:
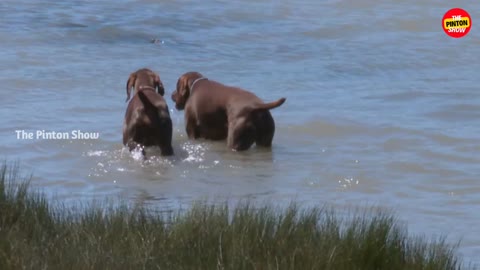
(155, 112)
(146, 101)
(153, 107)
(270, 105)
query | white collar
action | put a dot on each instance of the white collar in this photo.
(194, 82)
(141, 87)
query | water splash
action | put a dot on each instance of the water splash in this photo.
(347, 183)
(137, 153)
(96, 153)
(196, 152)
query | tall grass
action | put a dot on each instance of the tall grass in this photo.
(35, 235)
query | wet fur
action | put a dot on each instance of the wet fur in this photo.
(147, 118)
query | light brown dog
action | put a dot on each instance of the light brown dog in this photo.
(216, 111)
(147, 119)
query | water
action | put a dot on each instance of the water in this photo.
(382, 107)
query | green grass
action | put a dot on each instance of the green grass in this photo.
(36, 235)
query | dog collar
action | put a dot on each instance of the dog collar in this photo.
(194, 82)
(146, 87)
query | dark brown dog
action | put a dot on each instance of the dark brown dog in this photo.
(147, 119)
(217, 112)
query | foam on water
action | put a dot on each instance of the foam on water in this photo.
(196, 152)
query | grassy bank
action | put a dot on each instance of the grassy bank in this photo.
(35, 235)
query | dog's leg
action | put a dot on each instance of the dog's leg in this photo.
(165, 138)
(239, 137)
(133, 145)
(192, 130)
(167, 150)
(265, 126)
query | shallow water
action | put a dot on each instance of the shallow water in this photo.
(382, 107)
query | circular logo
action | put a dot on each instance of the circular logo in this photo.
(457, 23)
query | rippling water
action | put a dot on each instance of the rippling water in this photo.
(382, 107)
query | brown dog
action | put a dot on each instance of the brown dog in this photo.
(147, 119)
(217, 112)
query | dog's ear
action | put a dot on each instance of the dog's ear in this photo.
(158, 85)
(181, 93)
(183, 86)
(130, 84)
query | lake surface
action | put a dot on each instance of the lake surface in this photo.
(383, 108)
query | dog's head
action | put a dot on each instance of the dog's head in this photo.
(144, 77)
(184, 88)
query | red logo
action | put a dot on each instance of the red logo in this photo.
(457, 23)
